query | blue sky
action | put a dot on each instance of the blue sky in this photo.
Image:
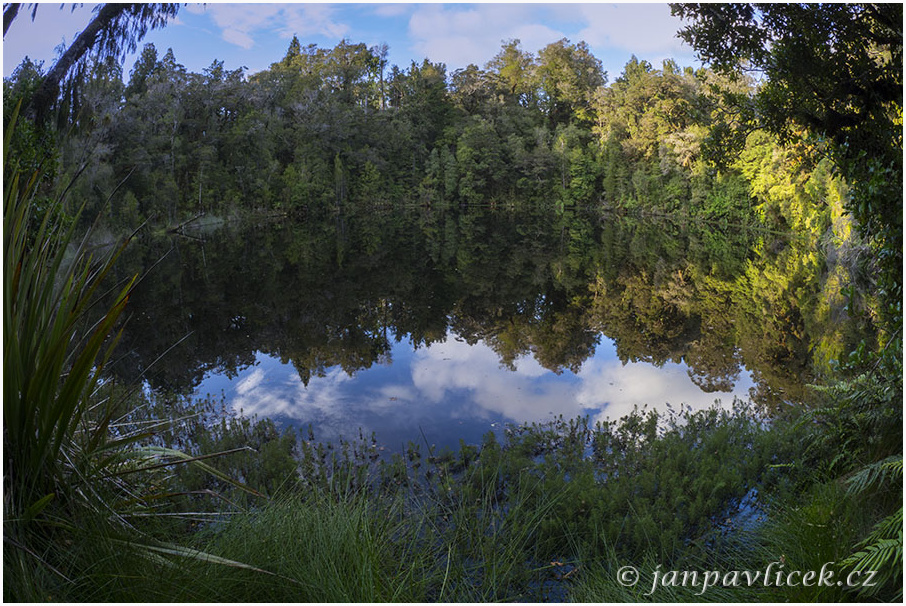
(254, 35)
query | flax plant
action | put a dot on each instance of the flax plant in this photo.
(56, 440)
(54, 430)
(64, 465)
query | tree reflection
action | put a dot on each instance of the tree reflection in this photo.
(340, 291)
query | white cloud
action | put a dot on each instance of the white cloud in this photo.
(442, 369)
(528, 366)
(393, 396)
(278, 391)
(616, 389)
(534, 36)
(391, 10)
(643, 29)
(242, 24)
(312, 19)
(604, 387)
(458, 36)
(250, 382)
(239, 38)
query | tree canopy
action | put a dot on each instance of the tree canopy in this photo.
(830, 71)
(115, 29)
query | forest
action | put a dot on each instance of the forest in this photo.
(745, 214)
(327, 128)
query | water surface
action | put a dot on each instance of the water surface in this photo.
(437, 326)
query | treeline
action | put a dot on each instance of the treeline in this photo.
(333, 127)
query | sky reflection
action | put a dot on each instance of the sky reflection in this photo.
(452, 390)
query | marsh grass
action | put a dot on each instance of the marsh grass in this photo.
(600, 581)
(318, 550)
(805, 531)
(329, 544)
(529, 518)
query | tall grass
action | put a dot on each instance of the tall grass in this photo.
(55, 428)
(321, 550)
(606, 579)
(330, 542)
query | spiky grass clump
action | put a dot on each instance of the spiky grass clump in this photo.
(69, 480)
(317, 549)
(53, 360)
(55, 427)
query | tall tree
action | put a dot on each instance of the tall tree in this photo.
(514, 70)
(293, 52)
(347, 69)
(568, 75)
(144, 67)
(470, 88)
(379, 52)
(115, 30)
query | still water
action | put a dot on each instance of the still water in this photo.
(440, 326)
(451, 390)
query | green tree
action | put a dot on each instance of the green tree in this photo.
(835, 70)
(348, 68)
(421, 96)
(568, 75)
(514, 71)
(293, 52)
(480, 157)
(834, 79)
(145, 67)
(471, 89)
(34, 147)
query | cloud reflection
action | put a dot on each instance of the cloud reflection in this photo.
(474, 373)
(604, 387)
(451, 384)
(614, 389)
(275, 390)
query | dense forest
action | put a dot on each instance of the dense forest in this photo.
(337, 128)
(791, 135)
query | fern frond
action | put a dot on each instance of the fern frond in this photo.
(881, 551)
(878, 473)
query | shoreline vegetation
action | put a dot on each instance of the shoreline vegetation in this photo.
(117, 493)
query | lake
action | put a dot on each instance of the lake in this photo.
(439, 325)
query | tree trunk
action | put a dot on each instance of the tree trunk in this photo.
(50, 87)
